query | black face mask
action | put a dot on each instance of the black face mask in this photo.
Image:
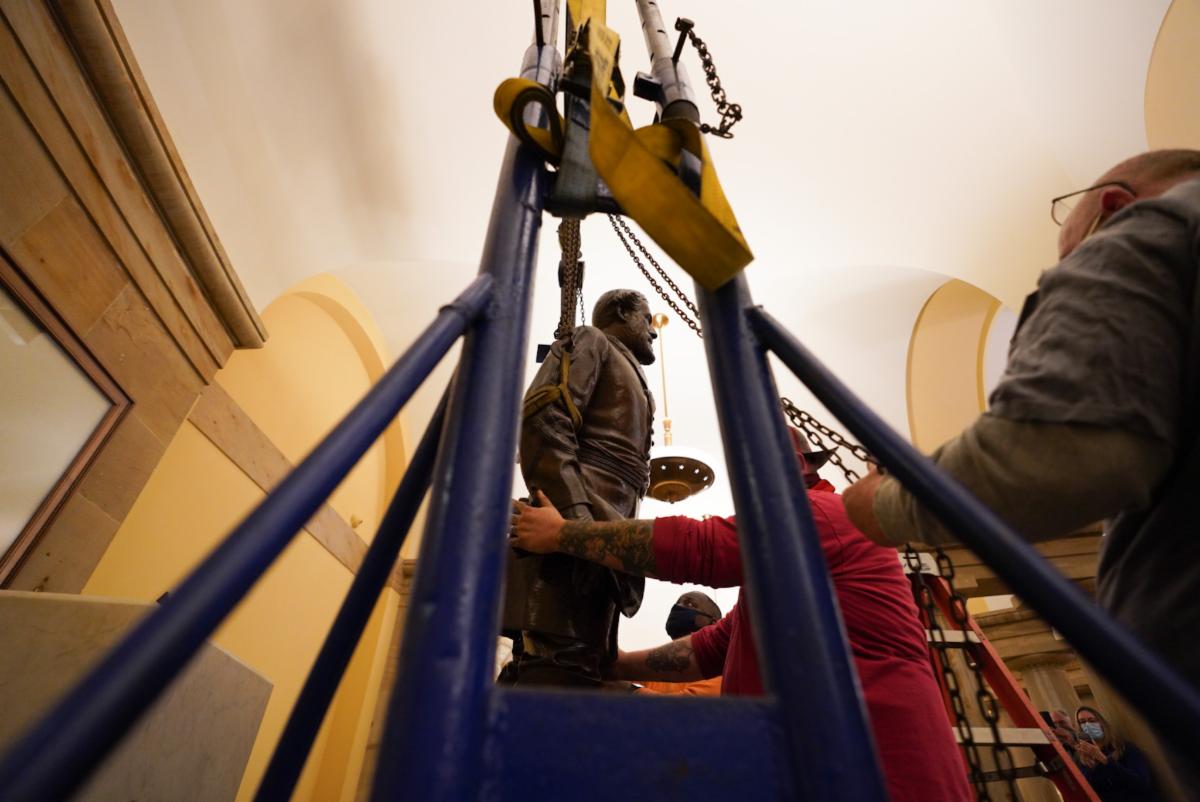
(682, 621)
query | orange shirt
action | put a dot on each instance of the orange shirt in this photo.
(701, 687)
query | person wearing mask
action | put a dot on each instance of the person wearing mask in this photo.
(1116, 769)
(691, 612)
(919, 758)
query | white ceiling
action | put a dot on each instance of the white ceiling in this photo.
(886, 146)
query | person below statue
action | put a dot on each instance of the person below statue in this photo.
(585, 443)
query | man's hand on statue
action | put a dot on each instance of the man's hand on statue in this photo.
(859, 500)
(536, 529)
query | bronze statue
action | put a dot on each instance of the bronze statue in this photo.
(585, 443)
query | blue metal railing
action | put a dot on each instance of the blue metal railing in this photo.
(448, 734)
(63, 748)
(805, 660)
(302, 726)
(1165, 699)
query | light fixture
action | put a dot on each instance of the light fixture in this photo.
(676, 473)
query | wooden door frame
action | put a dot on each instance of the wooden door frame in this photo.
(37, 308)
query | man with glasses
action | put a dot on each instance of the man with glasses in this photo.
(1096, 416)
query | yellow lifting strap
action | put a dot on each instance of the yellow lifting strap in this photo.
(700, 233)
(543, 397)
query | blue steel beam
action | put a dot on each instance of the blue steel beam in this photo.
(294, 744)
(1166, 700)
(433, 741)
(63, 748)
(601, 747)
(802, 648)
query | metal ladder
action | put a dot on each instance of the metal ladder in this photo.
(451, 735)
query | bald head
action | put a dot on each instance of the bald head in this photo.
(1143, 176)
(1155, 171)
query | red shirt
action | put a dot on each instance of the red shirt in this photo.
(921, 761)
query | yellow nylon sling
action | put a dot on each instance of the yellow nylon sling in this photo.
(700, 233)
(543, 397)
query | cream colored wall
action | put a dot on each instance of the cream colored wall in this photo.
(321, 357)
(945, 359)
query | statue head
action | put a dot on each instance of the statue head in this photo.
(625, 315)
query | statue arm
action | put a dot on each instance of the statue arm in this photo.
(549, 442)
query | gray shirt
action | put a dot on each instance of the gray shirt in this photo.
(1104, 342)
(1095, 417)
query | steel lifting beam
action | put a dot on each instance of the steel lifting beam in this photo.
(437, 719)
(805, 658)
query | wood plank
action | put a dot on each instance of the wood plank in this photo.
(229, 428)
(131, 342)
(66, 147)
(71, 266)
(1013, 736)
(29, 183)
(68, 551)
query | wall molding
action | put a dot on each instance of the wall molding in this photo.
(228, 427)
(105, 57)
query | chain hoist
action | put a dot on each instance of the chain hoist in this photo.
(813, 429)
(937, 638)
(570, 277)
(623, 230)
(989, 707)
(730, 113)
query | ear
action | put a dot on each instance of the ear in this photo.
(1113, 199)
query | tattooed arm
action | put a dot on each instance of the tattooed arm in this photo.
(626, 546)
(671, 662)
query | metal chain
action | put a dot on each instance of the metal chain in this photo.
(989, 708)
(620, 226)
(953, 692)
(813, 429)
(569, 241)
(730, 113)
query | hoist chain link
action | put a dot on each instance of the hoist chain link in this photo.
(989, 707)
(569, 241)
(953, 692)
(623, 230)
(730, 113)
(813, 429)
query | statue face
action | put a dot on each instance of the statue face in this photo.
(636, 333)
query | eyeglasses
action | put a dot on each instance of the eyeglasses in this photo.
(1060, 207)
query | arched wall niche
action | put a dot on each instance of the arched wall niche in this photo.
(955, 356)
(1173, 80)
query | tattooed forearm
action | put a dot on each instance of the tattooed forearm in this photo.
(672, 658)
(625, 545)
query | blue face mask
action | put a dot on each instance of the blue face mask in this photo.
(1092, 730)
(684, 621)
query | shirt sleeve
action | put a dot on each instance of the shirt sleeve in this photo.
(704, 552)
(1105, 343)
(710, 645)
(1045, 480)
